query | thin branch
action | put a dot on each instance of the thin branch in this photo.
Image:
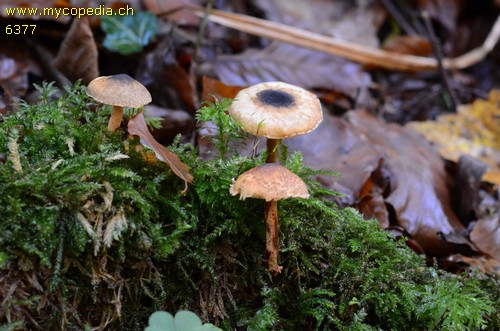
(436, 47)
(398, 17)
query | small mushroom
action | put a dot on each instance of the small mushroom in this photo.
(276, 110)
(118, 91)
(271, 182)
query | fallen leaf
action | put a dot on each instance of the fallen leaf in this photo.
(137, 126)
(486, 264)
(280, 62)
(182, 17)
(348, 20)
(170, 85)
(78, 57)
(371, 196)
(173, 122)
(474, 130)
(409, 44)
(215, 88)
(417, 195)
(467, 181)
(485, 235)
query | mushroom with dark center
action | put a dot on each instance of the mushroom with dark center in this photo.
(118, 91)
(276, 110)
(271, 182)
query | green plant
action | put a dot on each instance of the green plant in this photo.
(128, 34)
(227, 130)
(184, 320)
(94, 236)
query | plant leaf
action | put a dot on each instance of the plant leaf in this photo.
(77, 56)
(137, 126)
(184, 320)
(130, 33)
(278, 62)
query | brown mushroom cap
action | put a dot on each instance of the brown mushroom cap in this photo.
(270, 181)
(119, 90)
(276, 110)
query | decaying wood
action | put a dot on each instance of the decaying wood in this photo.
(348, 50)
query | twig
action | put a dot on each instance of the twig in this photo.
(348, 50)
(201, 31)
(398, 17)
(439, 57)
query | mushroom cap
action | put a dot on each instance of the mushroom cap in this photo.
(119, 90)
(276, 110)
(270, 181)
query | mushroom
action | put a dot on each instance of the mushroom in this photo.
(118, 91)
(276, 110)
(271, 182)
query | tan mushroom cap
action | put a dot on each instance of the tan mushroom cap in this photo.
(119, 90)
(270, 181)
(276, 110)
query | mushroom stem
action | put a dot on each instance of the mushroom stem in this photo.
(272, 150)
(272, 239)
(116, 118)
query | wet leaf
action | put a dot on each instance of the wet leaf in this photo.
(130, 33)
(137, 126)
(279, 62)
(77, 57)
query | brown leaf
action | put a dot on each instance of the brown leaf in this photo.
(417, 196)
(137, 126)
(77, 57)
(409, 44)
(169, 83)
(486, 235)
(280, 62)
(215, 88)
(371, 196)
(349, 20)
(173, 122)
(182, 17)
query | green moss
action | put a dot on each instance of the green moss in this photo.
(95, 235)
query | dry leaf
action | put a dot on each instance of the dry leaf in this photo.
(486, 235)
(170, 85)
(137, 126)
(215, 88)
(474, 131)
(409, 44)
(78, 57)
(181, 17)
(349, 20)
(413, 181)
(295, 65)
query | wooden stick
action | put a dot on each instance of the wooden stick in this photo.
(348, 50)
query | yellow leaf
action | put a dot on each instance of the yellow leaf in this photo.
(474, 130)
